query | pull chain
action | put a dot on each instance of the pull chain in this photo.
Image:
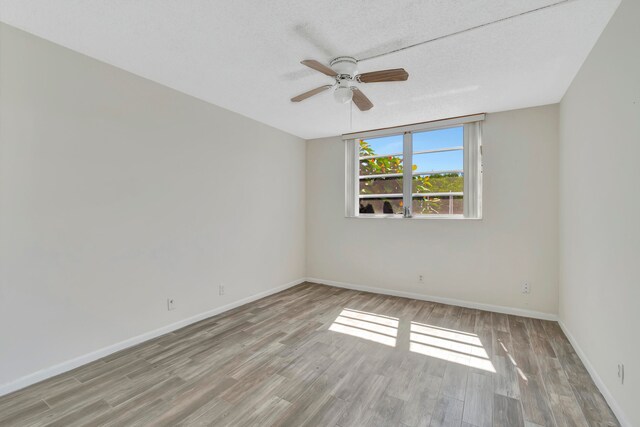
(351, 115)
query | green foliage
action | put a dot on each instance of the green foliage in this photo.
(386, 165)
(380, 165)
(420, 184)
(443, 183)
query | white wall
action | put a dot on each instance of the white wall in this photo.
(600, 208)
(116, 193)
(483, 261)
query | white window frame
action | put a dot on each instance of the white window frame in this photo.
(472, 167)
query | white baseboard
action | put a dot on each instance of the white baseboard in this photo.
(442, 300)
(68, 365)
(613, 404)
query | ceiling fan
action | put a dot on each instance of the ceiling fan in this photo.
(343, 69)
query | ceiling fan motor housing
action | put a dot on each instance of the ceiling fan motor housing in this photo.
(345, 65)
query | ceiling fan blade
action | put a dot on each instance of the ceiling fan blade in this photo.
(394, 75)
(311, 63)
(361, 101)
(310, 93)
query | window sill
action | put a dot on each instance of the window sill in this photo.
(417, 217)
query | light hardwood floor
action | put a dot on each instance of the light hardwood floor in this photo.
(324, 356)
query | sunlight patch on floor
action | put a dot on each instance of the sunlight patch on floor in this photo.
(447, 344)
(368, 326)
(450, 345)
(513, 361)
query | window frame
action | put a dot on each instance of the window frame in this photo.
(472, 167)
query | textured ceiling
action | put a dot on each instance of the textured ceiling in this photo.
(244, 55)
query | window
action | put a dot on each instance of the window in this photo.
(444, 179)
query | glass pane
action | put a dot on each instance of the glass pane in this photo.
(441, 205)
(381, 165)
(439, 183)
(381, 206)
(452, 182)
(381, 146)
(441, 138)
(381, 186)
(444, 161)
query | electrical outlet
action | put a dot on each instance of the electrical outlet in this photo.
(221, 290)
(526, 288)
(420, 278)
(171, 304)
(621, 372)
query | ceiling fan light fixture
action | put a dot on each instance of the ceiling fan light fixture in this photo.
(343, 94)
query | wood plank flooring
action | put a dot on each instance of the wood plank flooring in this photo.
(322, 356)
